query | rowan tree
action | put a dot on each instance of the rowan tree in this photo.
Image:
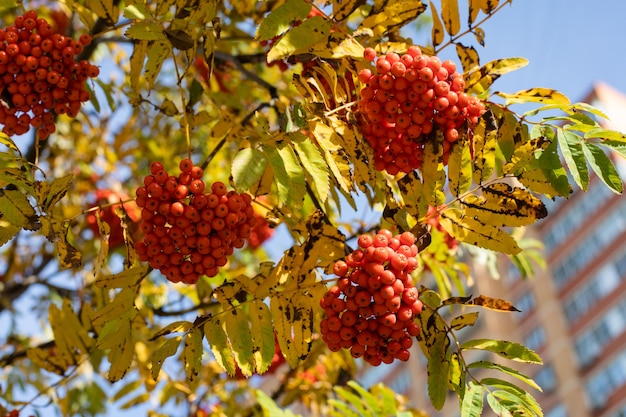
(152, 149)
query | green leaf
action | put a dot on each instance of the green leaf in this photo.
(506, 349)
(509, 371)
(281, 18)
(514, 400)
(349, 397)
(299, 39)
(572, 150)
(472, 404)
(270, 408)
(145, 30)
(247, 167)
(603, 167)
(7, 4)
(438, 365)
(518, 393)
(606, 134)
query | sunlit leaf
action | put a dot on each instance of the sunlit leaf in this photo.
(468, 56)
(571, 148)
(438, 364)
(218, 341)
(281, 18)
(247, 167)
(503, 205)
(145, 30)
(464, 320)
(437, 31)
(393, 15)
(450, 16)
(603, 167)
(192, 353)
(508, 350)
(472, 404)
(478, 81)
(475, 232)
(535, 95)
(299, 39)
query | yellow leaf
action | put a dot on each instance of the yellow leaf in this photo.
(433, 173)
(471, 230)
(167, 349)
(479, 80)
(137, 58)
(487, 7)
(145, 30)
(175, 327)
(503, 205)
(116, 336)
(263, 345)
(47, 359)
(121, 304)
(537, 181)
(301, 38)
(192, 353)
(218, 341)
(343, 9)
(294, 326)
(157, 53)
(450, 16)
(393, 16)
(437, 31)
(536, 95)
(105, 9)
(281, 18)
(460, 167)
(485, 134)
(468, 56)
(411, 190)
(335, 155)
(339, 45)
(125, 279)
(524, 154)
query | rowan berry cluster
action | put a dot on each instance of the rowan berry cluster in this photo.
(39, 75)
(187, 232)
(408, 97)
(371, 309)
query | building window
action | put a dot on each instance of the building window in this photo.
(591, 343)
(546, 378)
(525, 303)
(535, 339)
(558, 411)
(607, 381)
(603, 283)
(602, 236)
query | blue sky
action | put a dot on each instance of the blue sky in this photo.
(570, 44)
